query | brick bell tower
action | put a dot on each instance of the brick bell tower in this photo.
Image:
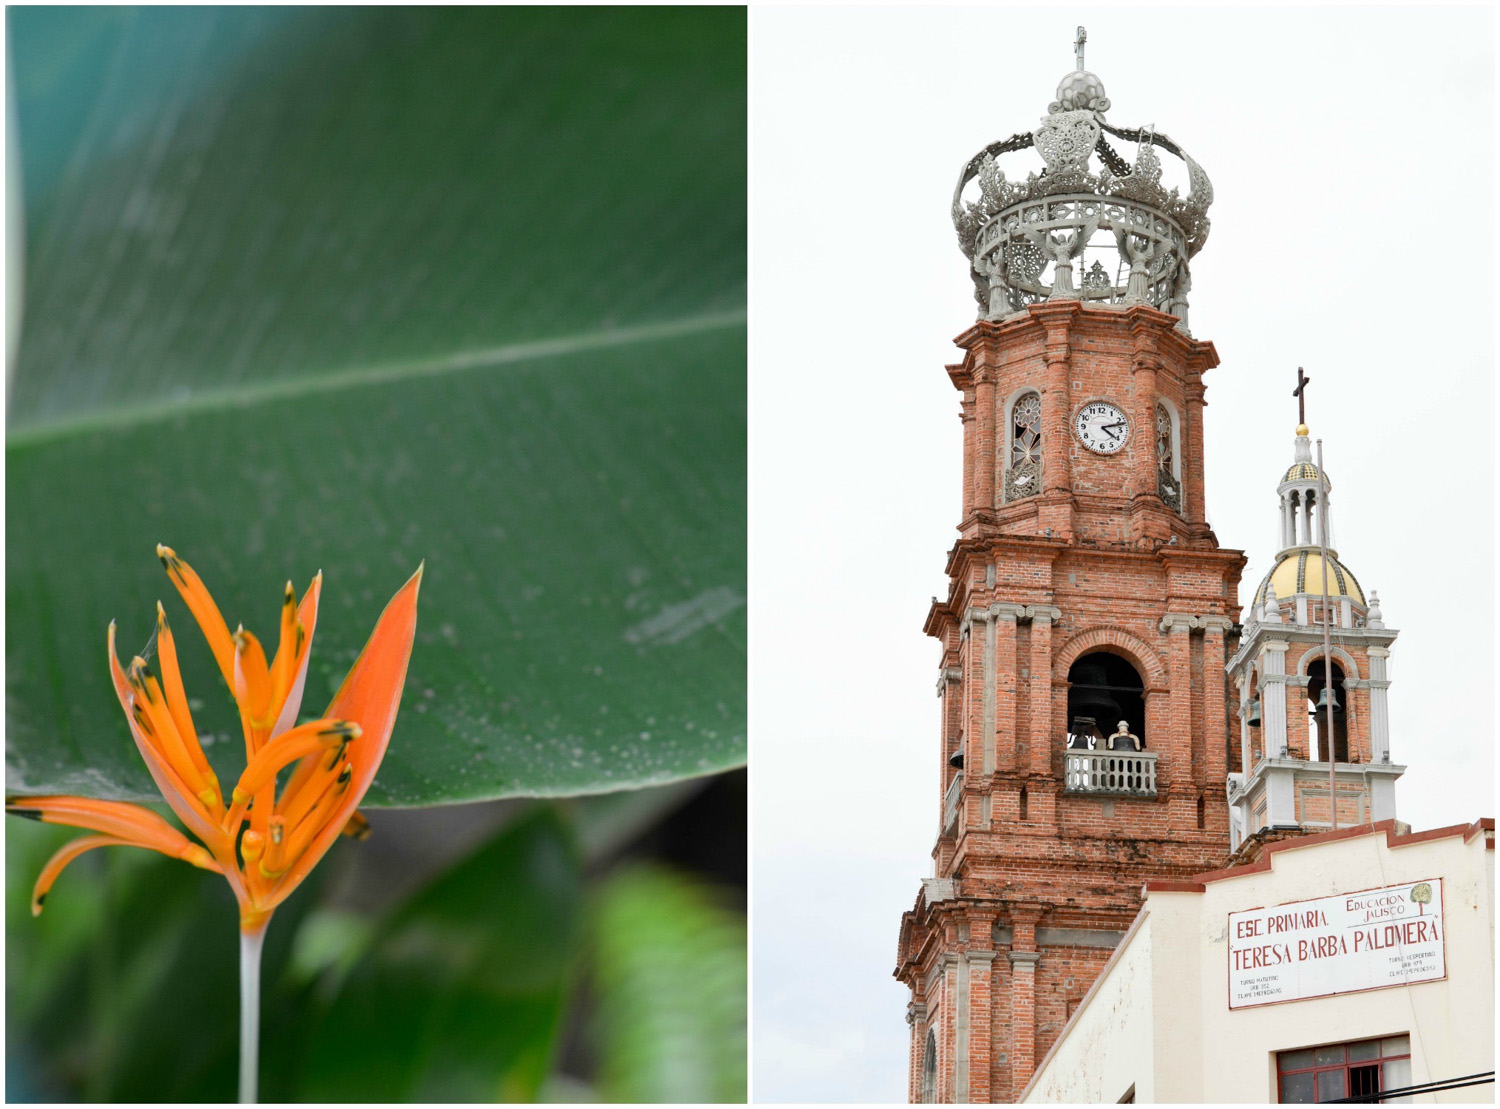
(1087, 720)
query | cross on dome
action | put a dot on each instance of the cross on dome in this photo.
(1299, 392)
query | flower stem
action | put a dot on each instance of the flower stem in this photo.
(251, 942)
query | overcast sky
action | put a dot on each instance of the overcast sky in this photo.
(1350, 151)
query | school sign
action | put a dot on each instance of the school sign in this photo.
(1342, 944)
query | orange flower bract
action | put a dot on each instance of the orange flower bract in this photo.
(262, 839)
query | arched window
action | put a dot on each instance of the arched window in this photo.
(1168, 467)
(929, 1069)
(1023, 470)
(1315, 685)
(1104, 689)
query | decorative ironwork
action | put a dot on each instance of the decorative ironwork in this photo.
(1023, 477)
(1022, 480)
(1026, 429)
(1086, 187)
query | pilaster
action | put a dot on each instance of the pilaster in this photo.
(1216, 717)
(1042, 734)
(1002, 753)
(1057, 404)
(1192, 463)
(1380, 715)
(984, 409)
(1177, 773)
(1023, 956)
(971, 448)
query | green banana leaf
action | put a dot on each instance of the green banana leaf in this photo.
(349, 289)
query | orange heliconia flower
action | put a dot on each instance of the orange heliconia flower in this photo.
(264, 841)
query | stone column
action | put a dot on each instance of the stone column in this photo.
(1380, 715)
(1042, 739)
(1273, 730)
(1245, 758)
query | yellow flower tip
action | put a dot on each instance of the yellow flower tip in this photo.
(36, 905)
(200, 858)
(345, 775)
(165, 552)
(278, 829)
(209, 797)
(252, 844)
(239, 797)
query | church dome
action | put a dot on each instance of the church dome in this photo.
(1301, 571)
(1301, 471)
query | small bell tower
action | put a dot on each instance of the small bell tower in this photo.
(1286, 686)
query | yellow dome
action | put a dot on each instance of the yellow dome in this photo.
(1301, 571)
(1301, 471)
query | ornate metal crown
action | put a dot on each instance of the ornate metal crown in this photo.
(1022, 237)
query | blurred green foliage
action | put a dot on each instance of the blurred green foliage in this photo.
(672, 987)
(126, 988)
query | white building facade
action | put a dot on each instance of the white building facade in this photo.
(1349, 963)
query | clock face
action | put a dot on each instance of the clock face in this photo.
(1101, 427)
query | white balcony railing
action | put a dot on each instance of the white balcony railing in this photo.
(1125, 773)
(952, 801)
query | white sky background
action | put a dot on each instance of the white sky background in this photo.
(1351, 155)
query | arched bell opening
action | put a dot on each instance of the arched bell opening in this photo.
(1105, 689)
(1317, 697)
